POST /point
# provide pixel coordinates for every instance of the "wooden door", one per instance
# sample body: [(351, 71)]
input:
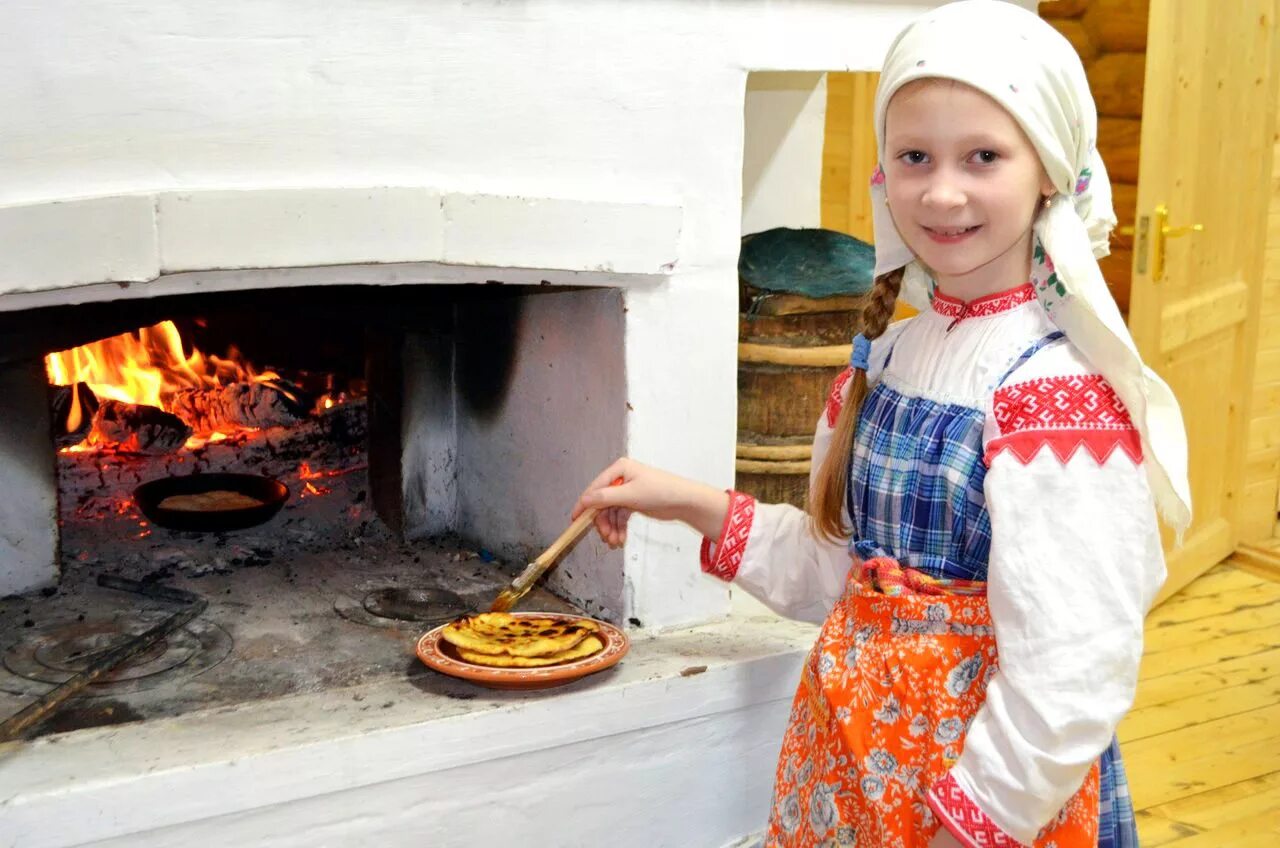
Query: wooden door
[(1206, 156)]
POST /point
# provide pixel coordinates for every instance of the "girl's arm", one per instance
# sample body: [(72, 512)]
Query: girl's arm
[(771, 552), (768, 550), (1076, 561)]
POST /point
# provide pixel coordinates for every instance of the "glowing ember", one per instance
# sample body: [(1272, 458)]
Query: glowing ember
[(147, 368), (305, 472), (216, 436), (307, 475), (312, 488)]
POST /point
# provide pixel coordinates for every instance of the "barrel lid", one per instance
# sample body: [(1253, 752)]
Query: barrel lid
[(811, 262)]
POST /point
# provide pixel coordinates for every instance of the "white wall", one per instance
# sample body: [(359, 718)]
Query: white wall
[(782, 151), (550, 97)]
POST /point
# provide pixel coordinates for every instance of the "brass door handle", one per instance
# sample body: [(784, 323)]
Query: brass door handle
[(1174, 232), (1152, 249), (1169, 232)]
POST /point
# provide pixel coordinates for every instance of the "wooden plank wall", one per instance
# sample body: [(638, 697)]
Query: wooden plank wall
[(1262, 470), (1111, 38), (849, 153)]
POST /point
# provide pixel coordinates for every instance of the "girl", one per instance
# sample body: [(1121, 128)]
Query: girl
[(990, 469)]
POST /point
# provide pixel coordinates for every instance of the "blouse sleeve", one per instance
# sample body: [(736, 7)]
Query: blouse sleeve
[(770, 550), (1075, 564)]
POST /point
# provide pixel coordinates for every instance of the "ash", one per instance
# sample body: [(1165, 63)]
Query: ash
[(288, 600)]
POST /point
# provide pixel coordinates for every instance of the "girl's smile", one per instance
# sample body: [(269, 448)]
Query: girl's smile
[(950, 235)]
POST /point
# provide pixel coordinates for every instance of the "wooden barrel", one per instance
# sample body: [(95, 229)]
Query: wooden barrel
[(790, 350)]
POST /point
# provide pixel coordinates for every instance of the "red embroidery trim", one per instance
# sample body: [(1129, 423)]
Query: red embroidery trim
[(835, 400), (981, 307), (1064, 414), (1076, 401), (733, 538), (1100, 444), (965, 819)]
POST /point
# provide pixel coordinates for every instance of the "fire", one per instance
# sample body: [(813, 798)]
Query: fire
[(146, 368)]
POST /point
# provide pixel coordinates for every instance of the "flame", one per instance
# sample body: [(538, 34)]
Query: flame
[(147, 367)]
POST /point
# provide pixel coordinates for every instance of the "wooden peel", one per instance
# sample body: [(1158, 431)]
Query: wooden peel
[(520, 587)]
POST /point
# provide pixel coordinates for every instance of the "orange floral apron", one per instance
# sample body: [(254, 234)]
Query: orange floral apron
[(885, 699)]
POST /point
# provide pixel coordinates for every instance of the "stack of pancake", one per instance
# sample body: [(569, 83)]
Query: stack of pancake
[(505, 641)]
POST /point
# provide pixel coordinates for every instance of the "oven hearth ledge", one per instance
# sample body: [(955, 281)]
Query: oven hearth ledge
[(393, 763), (139, 237)]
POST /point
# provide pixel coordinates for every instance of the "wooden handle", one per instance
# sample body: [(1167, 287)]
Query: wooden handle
[(572, 534), (569, 537), (533, 571)]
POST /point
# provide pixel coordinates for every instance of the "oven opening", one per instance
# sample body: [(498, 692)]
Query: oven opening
[(431, 440)]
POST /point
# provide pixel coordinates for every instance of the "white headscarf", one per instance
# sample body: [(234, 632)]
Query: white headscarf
[(1026, 66)]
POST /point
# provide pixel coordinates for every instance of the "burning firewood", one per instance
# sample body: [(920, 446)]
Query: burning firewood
[(135, 428), (237, 405), (73, 408)]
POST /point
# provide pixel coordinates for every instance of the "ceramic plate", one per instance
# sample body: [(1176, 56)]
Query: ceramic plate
[(441, 656)]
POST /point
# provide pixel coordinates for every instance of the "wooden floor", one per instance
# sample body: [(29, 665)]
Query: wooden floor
[(1202, 744)]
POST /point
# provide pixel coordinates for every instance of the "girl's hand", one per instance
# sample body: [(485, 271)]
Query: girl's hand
[(652, 492), (944, 839)]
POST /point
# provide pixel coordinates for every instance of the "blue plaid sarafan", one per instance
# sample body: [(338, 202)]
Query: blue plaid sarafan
[(915, 485), (915, 481)]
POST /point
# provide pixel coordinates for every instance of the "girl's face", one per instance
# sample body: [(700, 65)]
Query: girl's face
[(964, 185)]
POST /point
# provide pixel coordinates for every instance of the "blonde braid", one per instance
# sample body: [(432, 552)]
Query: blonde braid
[(826, 499)]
